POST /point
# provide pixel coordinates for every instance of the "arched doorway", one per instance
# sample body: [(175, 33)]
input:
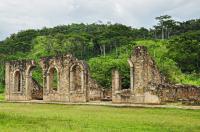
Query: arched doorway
[(126, 75), (76, 79), (34, 83), (52, 79), (17, 81)]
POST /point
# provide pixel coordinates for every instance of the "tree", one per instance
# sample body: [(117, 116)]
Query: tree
[(165, 25), (185, 50)]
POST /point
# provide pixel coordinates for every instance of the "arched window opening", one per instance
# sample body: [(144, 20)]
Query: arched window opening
[(76, 78), (36, 74), (126, 80), (125, 77), (17, 80), (53, 79), (35, 83)]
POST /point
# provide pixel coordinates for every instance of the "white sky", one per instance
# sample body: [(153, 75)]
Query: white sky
[(16, 15)]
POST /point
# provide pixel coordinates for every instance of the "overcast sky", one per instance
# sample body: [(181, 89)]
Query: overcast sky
[(16, 15)]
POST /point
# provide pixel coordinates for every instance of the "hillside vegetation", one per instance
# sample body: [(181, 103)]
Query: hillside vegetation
[(174, 45), (101, 67)]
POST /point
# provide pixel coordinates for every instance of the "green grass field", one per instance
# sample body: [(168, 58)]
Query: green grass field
[(22, 117)]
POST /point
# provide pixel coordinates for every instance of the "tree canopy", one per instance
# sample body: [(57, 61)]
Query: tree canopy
[(109, 45)]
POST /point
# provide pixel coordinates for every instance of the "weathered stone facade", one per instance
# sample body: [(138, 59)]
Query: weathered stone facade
[(18, 80), (74, 84), (72, 75), (173, 93), (147, 85)]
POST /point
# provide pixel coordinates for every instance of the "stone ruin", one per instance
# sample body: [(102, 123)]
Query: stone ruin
[(147, 85), (74, 83)]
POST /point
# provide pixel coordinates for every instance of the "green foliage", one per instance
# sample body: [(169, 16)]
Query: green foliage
[(1, 91), (165, 26), (2, 80), (107, 46), (185, 50), (101, 67), (55, 80), (2, 96), (37, 74), (168, 67)]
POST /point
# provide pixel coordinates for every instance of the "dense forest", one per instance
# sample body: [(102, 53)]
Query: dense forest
[(174, 45)]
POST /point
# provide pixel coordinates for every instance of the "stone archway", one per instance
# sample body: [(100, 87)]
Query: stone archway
[(53, 79), (34, 91), (78, 87), (131, 74), (76, 78), (17, 78)]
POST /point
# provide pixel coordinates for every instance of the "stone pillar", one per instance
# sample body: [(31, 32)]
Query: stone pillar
[(145, 73), (83, 82), (85, 89), (116, 86), (71, 82), (139, 58), (116, 81), (7, 81), (131, 78), (44, 85), (47, 82), (28, 88)]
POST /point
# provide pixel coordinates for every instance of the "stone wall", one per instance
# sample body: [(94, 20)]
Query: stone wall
[(65, 79), (143, 71), (17, 80), (147, 85), (178, 93), (66, 68), (95, 90)]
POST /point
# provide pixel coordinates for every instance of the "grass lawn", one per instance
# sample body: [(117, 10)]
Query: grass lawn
[(51, 117)]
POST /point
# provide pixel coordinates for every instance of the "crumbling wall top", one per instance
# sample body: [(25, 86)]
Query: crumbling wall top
[(140, 50)]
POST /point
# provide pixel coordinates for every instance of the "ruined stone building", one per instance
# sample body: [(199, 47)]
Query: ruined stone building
[(74, 83), (147, 85)]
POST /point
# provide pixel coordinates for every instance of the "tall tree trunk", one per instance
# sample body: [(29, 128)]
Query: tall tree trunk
[(104, 50), (168, 33), (116, 51), (101, 50), (162, 33)]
